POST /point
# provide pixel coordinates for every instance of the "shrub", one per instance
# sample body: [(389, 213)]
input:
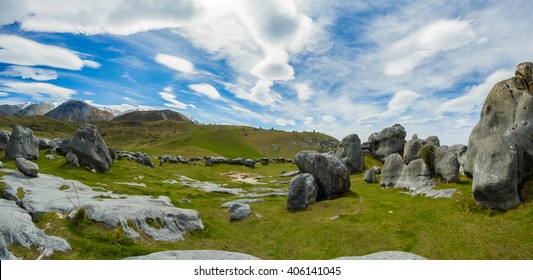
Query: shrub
[(79, 217), (427, 154)]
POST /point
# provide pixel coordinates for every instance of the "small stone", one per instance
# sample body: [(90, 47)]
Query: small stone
[(27, 167)]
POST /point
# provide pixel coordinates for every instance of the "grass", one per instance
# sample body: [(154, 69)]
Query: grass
[(365, 220)]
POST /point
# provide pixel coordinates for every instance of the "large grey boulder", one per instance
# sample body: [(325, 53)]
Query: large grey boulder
[(388, 141), (27, 167), (72, 159), (303, 190), (16, 226), (22, 144), (411, 150), (330, 172), (146, 161), (90, 148), (460, 152), (350, 151), (194, 255), (446, 165), (500, 149)]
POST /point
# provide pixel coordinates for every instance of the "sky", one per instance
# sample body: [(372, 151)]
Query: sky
[(337, 67)]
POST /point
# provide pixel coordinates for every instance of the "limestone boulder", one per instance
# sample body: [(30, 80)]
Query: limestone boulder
[(22, 144), (370, 176), (330, 172), (350, 151), (90, 148), (4, 138), (303, 190), (72, 159), (27, 167), (446, 165), (500, 149), (386, 142), (240, 211)]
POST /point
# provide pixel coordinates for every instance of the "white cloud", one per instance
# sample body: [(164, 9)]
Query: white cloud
[(22, 51), (30, 73), (396, 106), (120, 17), (328, 118), (175, 62), (92, 64), (284, 122), (3, 94), (38, 90), (304, 91), (174, 103), (207, 90), (473, 99), (309, 122), (440, 36)]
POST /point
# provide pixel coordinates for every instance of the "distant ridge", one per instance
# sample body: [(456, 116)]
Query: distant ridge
[(38, 109), (78, 112), (8, 110), (153, 115)]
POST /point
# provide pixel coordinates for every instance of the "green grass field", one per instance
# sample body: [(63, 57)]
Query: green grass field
[(365, 220)]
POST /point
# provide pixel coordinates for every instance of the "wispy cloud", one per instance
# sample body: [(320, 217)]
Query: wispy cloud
[(29, 73), (175, 62), (207, 90), (38, 91), (168, 96)]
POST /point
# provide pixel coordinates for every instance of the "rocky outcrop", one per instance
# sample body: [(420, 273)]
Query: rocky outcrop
[(72, 159), (79, 112), (90, 148), (446, 165), (459, 150), (22, 144), (386, 255), (414, 177), (388, 141), (27, 167), (146, 161), (413, 147), (16, 226), (36, 109), (500, 149), (330, 172), (350, 151), (303, 190), (4, 138)]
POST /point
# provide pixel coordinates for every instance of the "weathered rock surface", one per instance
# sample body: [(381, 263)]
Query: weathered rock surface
[(446, 165), (228, 204), (414, 146), (351, 153), (388, 141), (386, 255), (16, 226), (330, 172), (22, 144), (194, 255), (303, 190), (370, 176), (54, 194), (414, 177), (27, 167), (4, 138), (146, 161), (90, 148), (460, 152), (500, 150), (240, 211)]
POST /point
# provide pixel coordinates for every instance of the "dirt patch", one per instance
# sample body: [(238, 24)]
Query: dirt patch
[(244, 177)]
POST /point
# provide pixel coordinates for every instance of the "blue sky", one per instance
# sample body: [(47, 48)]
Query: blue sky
[(338, 67)]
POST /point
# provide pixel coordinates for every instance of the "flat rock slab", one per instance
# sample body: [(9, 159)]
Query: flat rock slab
[(386, 255), (54, 194), (195, 255), (208, 186), (228, 204), (16, 226)]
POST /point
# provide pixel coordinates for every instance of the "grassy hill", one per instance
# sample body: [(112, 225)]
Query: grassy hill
[(186, 139)]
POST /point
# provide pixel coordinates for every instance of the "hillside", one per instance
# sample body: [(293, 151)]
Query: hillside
[(153, 115), (182, 138)]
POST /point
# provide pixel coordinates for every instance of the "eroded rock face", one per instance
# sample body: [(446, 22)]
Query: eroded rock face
[(16, 226), (414, 177), (4, 138), (22, 144), (412, 148), (388, 141), (351, 153), (500, 149), (303, 190), (91, 149), (330, 172), (446, 165), (54, 194)]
